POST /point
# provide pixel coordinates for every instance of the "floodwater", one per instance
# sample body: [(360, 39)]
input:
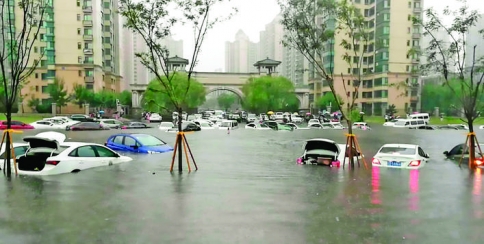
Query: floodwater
[(248, 189)]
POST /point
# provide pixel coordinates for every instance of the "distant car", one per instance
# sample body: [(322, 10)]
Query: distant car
[(256, 126), (447, 127), (45, 124), (315, 126), (313, 122), (204, 125), (16, 125), (137, 143), (135, 125), (425, 127), (166, 125), (111, 123), (457, 153), (154, 117), (251, 118), (82, 118), (391, 122), (86, 126), (297, 119), (404, 156), (186, 127)]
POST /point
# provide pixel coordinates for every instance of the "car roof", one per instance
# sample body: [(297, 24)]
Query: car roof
[(72, 144), (320, 140), (401, 145)]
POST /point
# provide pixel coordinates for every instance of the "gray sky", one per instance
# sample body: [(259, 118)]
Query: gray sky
[(252, 17)]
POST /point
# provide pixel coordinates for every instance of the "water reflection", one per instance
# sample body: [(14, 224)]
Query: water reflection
[(477, 195), (375, 186), (414, 188)]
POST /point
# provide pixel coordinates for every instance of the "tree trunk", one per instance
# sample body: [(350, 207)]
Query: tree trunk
[(350, 143), (472, 144), (180, 140), (8, 152)]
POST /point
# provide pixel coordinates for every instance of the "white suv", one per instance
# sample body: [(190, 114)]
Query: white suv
[(111, 123)]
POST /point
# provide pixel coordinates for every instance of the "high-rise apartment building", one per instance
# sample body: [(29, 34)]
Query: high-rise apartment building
[(241, 54), (175, 47), (79, 41), (295, 66), (474, 38), (387, 64), (271, 40)]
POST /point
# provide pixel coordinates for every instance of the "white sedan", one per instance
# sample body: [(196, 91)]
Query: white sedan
[(256, 126), (46, 124), (48, 154), (155, 118), (66, 121), (405, 156), (166, 125), (313, 122)]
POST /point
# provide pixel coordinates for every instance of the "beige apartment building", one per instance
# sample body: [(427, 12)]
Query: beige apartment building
[(79, 43), (388, 69)]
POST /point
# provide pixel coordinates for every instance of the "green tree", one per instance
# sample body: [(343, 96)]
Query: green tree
[(267, 93), (448, 57), (125, 98), (154, 20), (105, 99), (81, 95), (391, 110), (328, 99), (157, 99), (314, 40), (58, 93), (226, 100)]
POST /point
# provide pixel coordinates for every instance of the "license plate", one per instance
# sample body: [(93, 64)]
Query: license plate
[(394, 163)]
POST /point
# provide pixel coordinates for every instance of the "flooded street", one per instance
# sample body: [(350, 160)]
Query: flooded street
[(248, 189)]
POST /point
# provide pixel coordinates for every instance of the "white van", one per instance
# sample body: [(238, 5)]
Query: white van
[(225, 124), (409, 123), (423, 116)]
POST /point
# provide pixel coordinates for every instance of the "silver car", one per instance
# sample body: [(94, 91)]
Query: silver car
[(111, 123)]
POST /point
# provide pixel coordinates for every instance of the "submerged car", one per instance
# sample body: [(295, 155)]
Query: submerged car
[(46, 124), (135, 125), (137, 143), (457, 152), (187, 126), (48, 154), (404, 156), (166, 125), (257, 126), (325, 152), (154, 117), (87, 126)]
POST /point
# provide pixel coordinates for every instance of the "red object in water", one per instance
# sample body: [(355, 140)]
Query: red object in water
[(16, 125)]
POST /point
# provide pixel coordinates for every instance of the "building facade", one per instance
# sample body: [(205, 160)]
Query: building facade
[(389, 71), (241, 54), (79, 44), (474, 38)]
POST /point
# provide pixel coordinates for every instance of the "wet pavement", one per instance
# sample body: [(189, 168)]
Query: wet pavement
[(250, 190)]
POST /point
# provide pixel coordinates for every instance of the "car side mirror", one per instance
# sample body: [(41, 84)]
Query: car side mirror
[(446, 153), (427, 155)]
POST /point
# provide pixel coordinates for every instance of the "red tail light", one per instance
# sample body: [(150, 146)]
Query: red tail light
[(52, 162), (414, 163), (375, 161), (479, 162)]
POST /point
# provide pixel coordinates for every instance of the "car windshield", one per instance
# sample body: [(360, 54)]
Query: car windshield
[(398, 150), (147, 140)]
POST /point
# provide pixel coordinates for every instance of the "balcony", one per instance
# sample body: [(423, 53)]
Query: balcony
[(107, 22), (87, 37), (87, 61), (87, 9), (416, 35), (106, 11), (417, 9), (107, 45), (88, 51), (89, 79), (107, 69), (414, 99), (415, 61), (108, 57), (87, 23)]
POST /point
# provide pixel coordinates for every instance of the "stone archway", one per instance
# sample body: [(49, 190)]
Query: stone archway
[(230, 89)]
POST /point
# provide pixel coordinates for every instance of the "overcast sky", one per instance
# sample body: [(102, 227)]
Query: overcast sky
[(252, 17)]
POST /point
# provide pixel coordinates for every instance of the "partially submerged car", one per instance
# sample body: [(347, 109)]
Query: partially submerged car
[(457, 153), (257, 126), (325, 152), (86, 126), (402, 156), (135, 125), (49, 154), (138, 143)]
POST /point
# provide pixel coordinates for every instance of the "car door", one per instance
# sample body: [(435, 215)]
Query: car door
[(117, 143), (128, 144), (83, 157), (106, 156), (421, 154)]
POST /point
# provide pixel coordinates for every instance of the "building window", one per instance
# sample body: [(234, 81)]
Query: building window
[(78, 17), (36, 88), (87, 17), (36, 75), (45, 89), (384, 68), (386, 30), (79, 73), (79, 45), (386, 17), (79, 59), (35, 50), (78, 3), (408, 43), (78, 31)]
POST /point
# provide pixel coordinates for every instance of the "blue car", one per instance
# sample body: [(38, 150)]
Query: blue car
[(137, 143)]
